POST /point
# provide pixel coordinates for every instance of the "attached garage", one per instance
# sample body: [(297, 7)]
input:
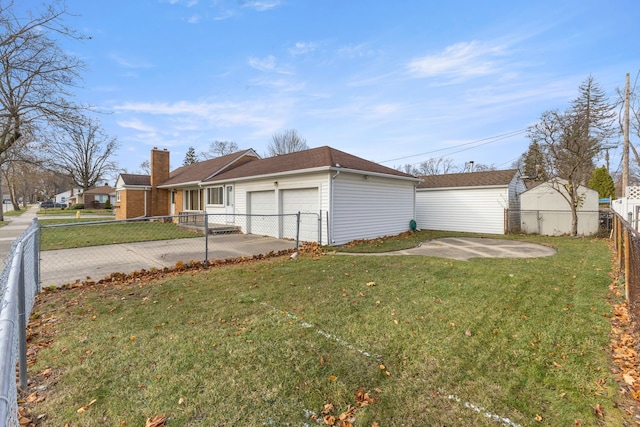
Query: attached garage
[(307, 202)]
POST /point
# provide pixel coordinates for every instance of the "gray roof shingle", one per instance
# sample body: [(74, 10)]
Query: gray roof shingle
[(468, 179)]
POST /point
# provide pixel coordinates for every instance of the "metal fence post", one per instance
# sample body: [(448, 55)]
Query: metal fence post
[(206, 238), (36, 257), (22, 327), (297, 230)]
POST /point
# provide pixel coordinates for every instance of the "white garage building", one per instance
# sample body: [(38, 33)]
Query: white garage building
[(341, 197), (476, 202)]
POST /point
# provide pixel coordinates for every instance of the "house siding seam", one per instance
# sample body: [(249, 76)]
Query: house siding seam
[(370, 208)]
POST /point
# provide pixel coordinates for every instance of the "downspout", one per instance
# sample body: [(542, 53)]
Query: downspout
[(145, 202), (330, 241)]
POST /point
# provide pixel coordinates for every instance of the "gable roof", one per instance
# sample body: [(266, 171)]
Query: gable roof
[(102, 189), (201, 171), (135, 179), (468, 179), (321, 157)]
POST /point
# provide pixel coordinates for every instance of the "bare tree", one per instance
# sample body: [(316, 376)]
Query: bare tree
[(145, 167), (84, 152), (37, 74), (219, 149), (437, 166), (571, 140), (286, 142)]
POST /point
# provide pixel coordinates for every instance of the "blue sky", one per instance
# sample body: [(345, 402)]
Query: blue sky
[(391, 81)]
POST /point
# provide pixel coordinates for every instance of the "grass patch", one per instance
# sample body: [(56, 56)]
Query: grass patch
[(407, 240), (13, 212), (272, 343), (72, 212), (97, 233)]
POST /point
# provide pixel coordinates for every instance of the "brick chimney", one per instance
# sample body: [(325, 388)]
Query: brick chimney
[(159, 174)]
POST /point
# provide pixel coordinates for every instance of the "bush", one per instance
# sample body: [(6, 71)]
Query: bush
[(107, 204), (78, 206)]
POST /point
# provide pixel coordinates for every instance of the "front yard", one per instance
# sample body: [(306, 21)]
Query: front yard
[(330, 339)]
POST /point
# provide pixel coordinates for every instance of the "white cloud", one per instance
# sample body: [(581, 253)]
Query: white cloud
[(301, 48), (129, 63), (136, 124), (262, 5), (268, 64), (263, 64), (459, 61)]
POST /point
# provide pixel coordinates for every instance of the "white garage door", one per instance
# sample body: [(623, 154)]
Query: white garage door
[(305, 201), (261, 205)]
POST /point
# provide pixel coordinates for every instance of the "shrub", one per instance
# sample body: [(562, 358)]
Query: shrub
[(107, 204), (78, 206)]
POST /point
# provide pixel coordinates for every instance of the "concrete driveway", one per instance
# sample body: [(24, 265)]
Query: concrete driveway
[(64, 266), (464, 248)]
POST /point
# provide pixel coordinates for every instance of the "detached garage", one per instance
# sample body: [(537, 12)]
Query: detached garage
[(476, 202)]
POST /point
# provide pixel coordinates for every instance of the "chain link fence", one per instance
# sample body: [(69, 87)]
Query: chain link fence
[(93, 250), (20, 284), (627, 244), (557, 222)]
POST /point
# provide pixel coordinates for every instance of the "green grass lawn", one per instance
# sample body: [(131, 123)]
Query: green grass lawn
[(72, 212), (281, 342), (99, 233)]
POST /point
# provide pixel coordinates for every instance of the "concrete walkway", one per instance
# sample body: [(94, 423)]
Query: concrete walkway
[(465, 248), (15, 227)]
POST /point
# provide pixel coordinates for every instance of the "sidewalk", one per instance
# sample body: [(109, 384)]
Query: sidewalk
[(15, 227)]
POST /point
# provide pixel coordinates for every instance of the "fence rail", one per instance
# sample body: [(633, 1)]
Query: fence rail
[(107, 247), (20, 284), (627, 244)]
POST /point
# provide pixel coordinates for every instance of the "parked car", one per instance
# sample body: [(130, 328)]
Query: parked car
[(52, 204)]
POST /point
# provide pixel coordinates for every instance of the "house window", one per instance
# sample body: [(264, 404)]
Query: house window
[(118, 196), (173, 197), (101, 198), (229, 195), (192, 200), (215, 196)]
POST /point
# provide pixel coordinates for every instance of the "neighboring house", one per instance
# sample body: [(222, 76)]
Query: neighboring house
[(342, 197), (544, 210), (96, 197), (470, 202), (133, 196), (67, 197)]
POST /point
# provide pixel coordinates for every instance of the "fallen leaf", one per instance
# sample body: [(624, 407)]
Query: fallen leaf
[(371, 283), (467, 333), (332, 378), (626, 377), (85, 407), (157, 421), (538, 418), (599, 410)]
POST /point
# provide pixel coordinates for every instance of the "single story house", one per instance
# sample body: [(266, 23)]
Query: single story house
[(476, 202), (341, 197), (97, 197), (67, 197), (545, 210)]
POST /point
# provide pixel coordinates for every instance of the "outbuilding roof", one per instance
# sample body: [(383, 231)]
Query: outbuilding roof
[(468, 179)]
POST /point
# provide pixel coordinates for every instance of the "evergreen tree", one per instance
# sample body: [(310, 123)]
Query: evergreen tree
[(191, 157), (533, 163), (602, 182)]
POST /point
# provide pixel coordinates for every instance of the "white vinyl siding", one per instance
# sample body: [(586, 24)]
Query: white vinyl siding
[(370, 208), (473, 209)]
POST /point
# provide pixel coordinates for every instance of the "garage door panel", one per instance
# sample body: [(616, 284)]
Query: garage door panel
[(306, 201), (262, 203)]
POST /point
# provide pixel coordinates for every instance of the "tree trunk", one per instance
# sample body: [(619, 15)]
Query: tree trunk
[(574, 220)]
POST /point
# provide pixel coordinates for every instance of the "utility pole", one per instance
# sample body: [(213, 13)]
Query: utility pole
[(625, 150)]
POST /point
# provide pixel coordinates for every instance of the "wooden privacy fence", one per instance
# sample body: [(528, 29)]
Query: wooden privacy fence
[(627, 244)]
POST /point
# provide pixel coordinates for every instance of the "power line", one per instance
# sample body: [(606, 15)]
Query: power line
[(489, 140)]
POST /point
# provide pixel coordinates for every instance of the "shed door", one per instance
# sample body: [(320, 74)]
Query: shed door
[(262, 210), (306, 201)]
